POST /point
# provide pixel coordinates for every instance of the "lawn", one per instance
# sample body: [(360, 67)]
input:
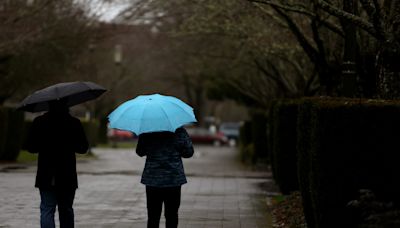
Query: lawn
[(121, 145), (25, 156)]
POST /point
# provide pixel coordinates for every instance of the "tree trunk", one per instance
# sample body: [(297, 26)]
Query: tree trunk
[(389, 71), (387, 59), (4, 80), (199, 101), (349, 80)]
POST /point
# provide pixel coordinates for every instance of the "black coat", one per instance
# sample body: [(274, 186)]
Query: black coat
[(57, 137)]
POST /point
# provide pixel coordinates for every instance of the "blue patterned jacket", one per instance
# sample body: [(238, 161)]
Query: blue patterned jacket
[(164, 151)]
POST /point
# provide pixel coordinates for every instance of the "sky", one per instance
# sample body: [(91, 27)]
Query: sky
[(106, 10)]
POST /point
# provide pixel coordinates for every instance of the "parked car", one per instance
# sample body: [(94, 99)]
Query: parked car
[(231, 131), (119, 135), (205, 136)]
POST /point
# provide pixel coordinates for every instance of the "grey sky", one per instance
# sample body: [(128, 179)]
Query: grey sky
[(105, 10)]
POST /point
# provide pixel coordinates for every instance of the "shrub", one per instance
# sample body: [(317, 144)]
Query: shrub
[(284, 148), (15, 132), (11, 133), (91, 128), (245, 138), (305, 137), (272, 115), (259, 136), (102, 133), (3, 130), (349, 145)]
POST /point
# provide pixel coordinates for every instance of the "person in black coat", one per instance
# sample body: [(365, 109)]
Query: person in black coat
[(163, 174), (56, 136)]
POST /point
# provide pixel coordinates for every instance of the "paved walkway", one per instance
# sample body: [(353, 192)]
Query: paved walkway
[(220, 192)]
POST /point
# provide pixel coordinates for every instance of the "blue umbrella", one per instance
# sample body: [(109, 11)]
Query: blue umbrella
[(151, 113)]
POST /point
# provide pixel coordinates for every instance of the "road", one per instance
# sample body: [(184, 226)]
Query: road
[(220, 192)]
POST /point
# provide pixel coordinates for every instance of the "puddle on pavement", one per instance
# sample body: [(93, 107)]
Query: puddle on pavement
[(9, 169), (101, 173), (270, 188)]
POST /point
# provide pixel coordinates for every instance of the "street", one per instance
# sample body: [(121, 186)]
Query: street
[(220, 192)]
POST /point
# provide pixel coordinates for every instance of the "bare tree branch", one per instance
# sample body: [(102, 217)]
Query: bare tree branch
[(311, 51), (377, 20), (278, 20), (276, 76), (358, 21), (368, 7), (334, 28), (287, 7), (26, 13), (317, 37)]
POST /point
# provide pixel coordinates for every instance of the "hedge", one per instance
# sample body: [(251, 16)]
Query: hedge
[(259, 136), (270, 135), (11, 133), (344, 146), (3, 129), (102, 132), (284, 152), (91, 128), (245, 141), (305, 137), (253, 139), (15, 133)]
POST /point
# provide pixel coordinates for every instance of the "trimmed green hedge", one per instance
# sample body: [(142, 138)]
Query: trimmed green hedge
[(245, 141), (3, 130), (11, 133), (305, 137), (102, 133), (270, 135), (259, 136), (345, 145), (284, 152), (253, 139), (91, 128), (27, 127), (15, 133)]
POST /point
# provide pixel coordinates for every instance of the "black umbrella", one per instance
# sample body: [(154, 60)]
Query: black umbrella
[(72, 92)]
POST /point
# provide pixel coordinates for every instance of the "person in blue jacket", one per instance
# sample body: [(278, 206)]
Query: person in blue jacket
[(163, 173)]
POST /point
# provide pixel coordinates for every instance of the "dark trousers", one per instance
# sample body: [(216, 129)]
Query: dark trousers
[(171, 197), (50, 198)]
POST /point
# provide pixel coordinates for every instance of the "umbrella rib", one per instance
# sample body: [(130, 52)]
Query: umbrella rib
[(175, 114), (166, 114), (184, 110), (57, 90), (140, 123), (38, 101)]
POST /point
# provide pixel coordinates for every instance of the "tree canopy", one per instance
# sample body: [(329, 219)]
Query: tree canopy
[(39, 40), (286, 48)]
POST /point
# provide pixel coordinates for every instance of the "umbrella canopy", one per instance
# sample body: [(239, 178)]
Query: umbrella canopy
[(151, 113), (72, 93)]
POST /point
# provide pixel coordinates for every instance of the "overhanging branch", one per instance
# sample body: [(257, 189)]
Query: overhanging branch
[(358, 21), (297, 9), (287, 7)]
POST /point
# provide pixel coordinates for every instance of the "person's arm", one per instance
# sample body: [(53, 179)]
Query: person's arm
[(185, 143), (140, 147)]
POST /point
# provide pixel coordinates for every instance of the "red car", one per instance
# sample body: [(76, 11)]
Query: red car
[(205, 136), (119, 135)]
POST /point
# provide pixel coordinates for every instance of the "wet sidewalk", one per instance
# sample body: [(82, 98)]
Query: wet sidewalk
[(220, 192)]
